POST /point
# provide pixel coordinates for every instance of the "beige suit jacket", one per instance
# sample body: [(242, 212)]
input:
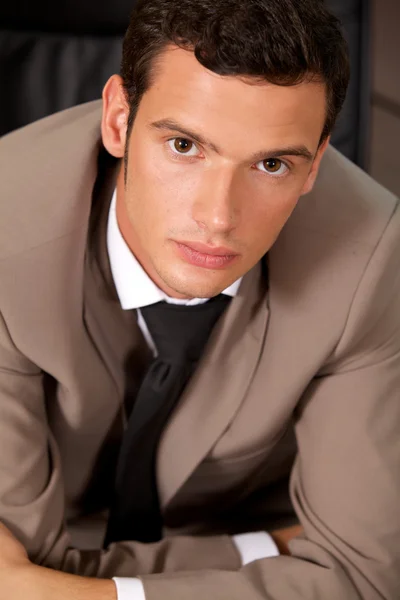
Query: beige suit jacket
[(301, 377)]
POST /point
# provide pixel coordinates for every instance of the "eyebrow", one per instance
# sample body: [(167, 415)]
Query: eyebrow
[(172, 125)]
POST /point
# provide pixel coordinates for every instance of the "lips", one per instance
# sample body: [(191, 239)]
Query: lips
[(210, 250), (207, 257)]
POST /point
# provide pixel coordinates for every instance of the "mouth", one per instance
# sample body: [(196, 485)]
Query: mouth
[(208, 257)]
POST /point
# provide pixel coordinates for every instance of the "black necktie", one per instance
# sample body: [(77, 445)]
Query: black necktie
[(180, 334)]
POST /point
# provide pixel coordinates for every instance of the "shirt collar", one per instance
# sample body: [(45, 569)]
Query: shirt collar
[(134, 287)]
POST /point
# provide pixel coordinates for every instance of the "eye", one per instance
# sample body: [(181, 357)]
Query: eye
[(183, 146), (273, 166)]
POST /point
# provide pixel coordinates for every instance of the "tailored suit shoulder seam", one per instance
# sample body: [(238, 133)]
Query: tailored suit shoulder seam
[(361, 277)]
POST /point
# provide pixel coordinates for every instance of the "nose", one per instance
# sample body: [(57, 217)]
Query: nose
[(215, 208)]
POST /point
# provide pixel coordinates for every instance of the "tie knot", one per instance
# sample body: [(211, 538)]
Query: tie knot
[(181, 332)]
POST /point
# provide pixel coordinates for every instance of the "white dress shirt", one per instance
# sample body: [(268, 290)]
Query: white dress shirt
[(135, 289)]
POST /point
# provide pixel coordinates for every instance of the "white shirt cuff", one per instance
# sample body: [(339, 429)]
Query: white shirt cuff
[(129, 588), (251, 546), (254, 546)]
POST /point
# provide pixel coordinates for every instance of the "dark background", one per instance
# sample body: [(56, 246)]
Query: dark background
[(384, 153)]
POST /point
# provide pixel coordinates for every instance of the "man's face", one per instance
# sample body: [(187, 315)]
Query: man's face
[(215, 167)]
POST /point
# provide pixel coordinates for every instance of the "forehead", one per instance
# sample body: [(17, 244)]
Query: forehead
[(234, 109)]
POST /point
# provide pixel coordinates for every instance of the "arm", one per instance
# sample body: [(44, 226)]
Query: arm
[(19, 577), (32, 494), (32, 505)]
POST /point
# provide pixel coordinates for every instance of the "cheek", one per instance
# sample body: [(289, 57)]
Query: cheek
[(267, 215), (159, 194), (284, 207), (173, 187)]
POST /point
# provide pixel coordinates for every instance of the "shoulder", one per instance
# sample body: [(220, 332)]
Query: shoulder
[(337, 254), (47, 170), (346, 203)]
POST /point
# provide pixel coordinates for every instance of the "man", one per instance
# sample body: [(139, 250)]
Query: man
[(199, 190)]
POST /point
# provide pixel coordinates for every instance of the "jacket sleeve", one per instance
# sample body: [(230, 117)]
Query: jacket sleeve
[(345, 484), (32, 495)]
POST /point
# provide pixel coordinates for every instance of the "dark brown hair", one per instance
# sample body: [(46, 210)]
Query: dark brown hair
[(284, 42)]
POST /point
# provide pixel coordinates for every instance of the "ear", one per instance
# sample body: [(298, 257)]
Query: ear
[(309, 184), (115, 117)]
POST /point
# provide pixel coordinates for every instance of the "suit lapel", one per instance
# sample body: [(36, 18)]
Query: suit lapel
[(114, 331), (218, 387)]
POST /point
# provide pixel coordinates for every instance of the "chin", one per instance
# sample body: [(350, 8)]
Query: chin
[(195, 289), (206, 291), (189, 281)]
